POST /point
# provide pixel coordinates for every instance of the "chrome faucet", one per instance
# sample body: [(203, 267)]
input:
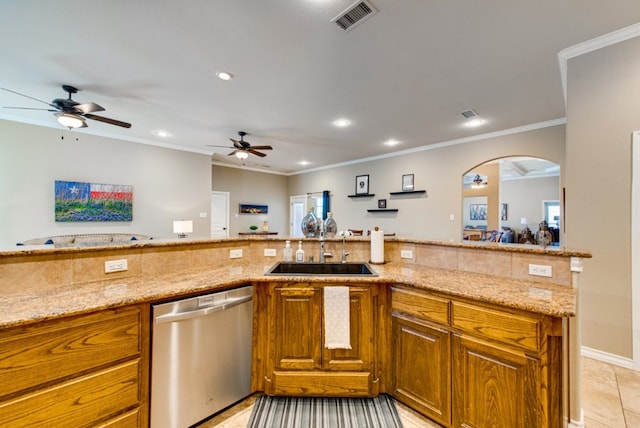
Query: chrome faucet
[(323, 254), (344, 252)]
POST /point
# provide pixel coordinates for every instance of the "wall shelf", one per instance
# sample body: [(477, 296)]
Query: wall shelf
[(408, 192), (361, 195), (385, 210)]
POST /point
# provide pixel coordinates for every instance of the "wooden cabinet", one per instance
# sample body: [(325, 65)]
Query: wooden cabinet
[(470, 364), (297, 362), (494, 386), (422, 374), (81, 371)]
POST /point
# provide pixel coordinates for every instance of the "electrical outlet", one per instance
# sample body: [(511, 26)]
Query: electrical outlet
[(540, 270), (269, 252), (235, 254), (115, 266), (406, 254)]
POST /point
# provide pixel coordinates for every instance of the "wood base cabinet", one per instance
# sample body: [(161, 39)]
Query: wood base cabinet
[(88, 370), (422, 372), (494, 386), (469, 364), (297, 362)]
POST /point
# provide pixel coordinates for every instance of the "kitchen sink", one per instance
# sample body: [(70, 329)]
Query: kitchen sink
[(324, 269)]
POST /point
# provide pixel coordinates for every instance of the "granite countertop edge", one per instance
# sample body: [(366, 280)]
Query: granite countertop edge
[(24, 307)]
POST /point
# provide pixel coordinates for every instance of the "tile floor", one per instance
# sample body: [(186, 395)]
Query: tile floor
[(610, 399)]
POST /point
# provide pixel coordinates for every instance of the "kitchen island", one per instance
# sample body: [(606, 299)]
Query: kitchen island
[(58, 288)]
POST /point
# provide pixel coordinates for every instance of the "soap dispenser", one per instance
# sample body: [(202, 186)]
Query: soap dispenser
[(288, 252), (299, 253)]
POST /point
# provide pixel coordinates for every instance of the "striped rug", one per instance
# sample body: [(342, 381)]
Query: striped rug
[(311, 412)]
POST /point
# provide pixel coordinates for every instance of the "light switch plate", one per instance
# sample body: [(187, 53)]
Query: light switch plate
[(115, 266), (235, 254), (540, 270)]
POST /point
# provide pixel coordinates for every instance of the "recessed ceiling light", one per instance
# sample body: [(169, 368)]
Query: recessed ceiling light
[(162, 133), (304, 163), (472, 123), (342, 123), (223, 75), (391, 142)]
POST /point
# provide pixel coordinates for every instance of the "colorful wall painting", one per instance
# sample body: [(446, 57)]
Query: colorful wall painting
[(78, 202)]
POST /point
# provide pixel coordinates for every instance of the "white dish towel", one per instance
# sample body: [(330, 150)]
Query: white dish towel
[(337, 318)]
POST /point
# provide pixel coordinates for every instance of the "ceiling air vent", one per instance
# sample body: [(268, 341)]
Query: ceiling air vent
[(354, 15), (468, 114)]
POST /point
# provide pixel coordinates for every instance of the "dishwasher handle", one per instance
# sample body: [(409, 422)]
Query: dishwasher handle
[(227, 304)]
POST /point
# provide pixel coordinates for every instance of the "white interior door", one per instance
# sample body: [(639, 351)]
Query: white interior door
[(219, 214), (298, 210)]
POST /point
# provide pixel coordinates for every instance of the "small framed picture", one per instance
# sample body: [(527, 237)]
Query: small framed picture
[(362, 184), (382, 203), (407, 183), (503, 212)]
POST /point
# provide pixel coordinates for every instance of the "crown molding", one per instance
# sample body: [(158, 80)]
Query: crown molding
[(594, 44)]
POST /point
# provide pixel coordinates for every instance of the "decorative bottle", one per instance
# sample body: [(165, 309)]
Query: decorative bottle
[(330, 226), (310, 225), (288, 252), (299, 253)]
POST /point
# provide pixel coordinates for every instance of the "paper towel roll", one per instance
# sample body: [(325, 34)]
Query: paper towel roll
[(377, 246)]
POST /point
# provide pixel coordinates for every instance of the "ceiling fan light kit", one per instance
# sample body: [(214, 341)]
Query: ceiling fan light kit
[(242, 149), (70, 120), (71, 113)]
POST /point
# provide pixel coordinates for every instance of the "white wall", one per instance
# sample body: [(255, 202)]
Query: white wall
[(524, 198), (603, 111), (250, 187), (438, 171), (167, 184)]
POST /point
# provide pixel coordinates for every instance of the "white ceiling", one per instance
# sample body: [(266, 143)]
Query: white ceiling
[(405, 74)]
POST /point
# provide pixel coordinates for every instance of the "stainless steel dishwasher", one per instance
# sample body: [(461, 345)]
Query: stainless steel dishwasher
[(201, 356)]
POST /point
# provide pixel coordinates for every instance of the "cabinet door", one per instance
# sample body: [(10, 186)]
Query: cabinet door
[(360, 356), (422, 373), (296, 314), (494, 386)]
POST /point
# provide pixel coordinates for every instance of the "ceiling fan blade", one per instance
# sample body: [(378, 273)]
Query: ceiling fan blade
[(27, 96), (237, 144), (222, 147), (253, 152), (233, 153), (107, 120), (262, 147), (31, 108), (88, 107)]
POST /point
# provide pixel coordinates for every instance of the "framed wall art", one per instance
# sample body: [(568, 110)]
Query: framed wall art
[(77, 201), (254, 209), (407, 182), (478, 211), (362, 184)]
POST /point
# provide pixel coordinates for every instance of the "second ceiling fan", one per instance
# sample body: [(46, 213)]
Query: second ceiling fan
[(243, 148)]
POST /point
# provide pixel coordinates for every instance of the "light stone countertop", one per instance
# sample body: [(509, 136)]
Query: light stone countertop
[(21, 307)]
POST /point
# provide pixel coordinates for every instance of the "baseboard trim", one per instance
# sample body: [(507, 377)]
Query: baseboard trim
[(606, 357)]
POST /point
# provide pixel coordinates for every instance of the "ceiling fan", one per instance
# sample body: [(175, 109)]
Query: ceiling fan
[(243, 148), (71, 113)]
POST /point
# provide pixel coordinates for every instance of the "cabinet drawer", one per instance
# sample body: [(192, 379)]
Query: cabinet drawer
[(79, 402), (420, 305), (56, 350), (505, 327)]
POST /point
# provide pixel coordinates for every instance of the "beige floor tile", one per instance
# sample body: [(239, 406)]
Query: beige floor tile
[(590, 423), (633, 419), (629, 384), (600, 395)]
